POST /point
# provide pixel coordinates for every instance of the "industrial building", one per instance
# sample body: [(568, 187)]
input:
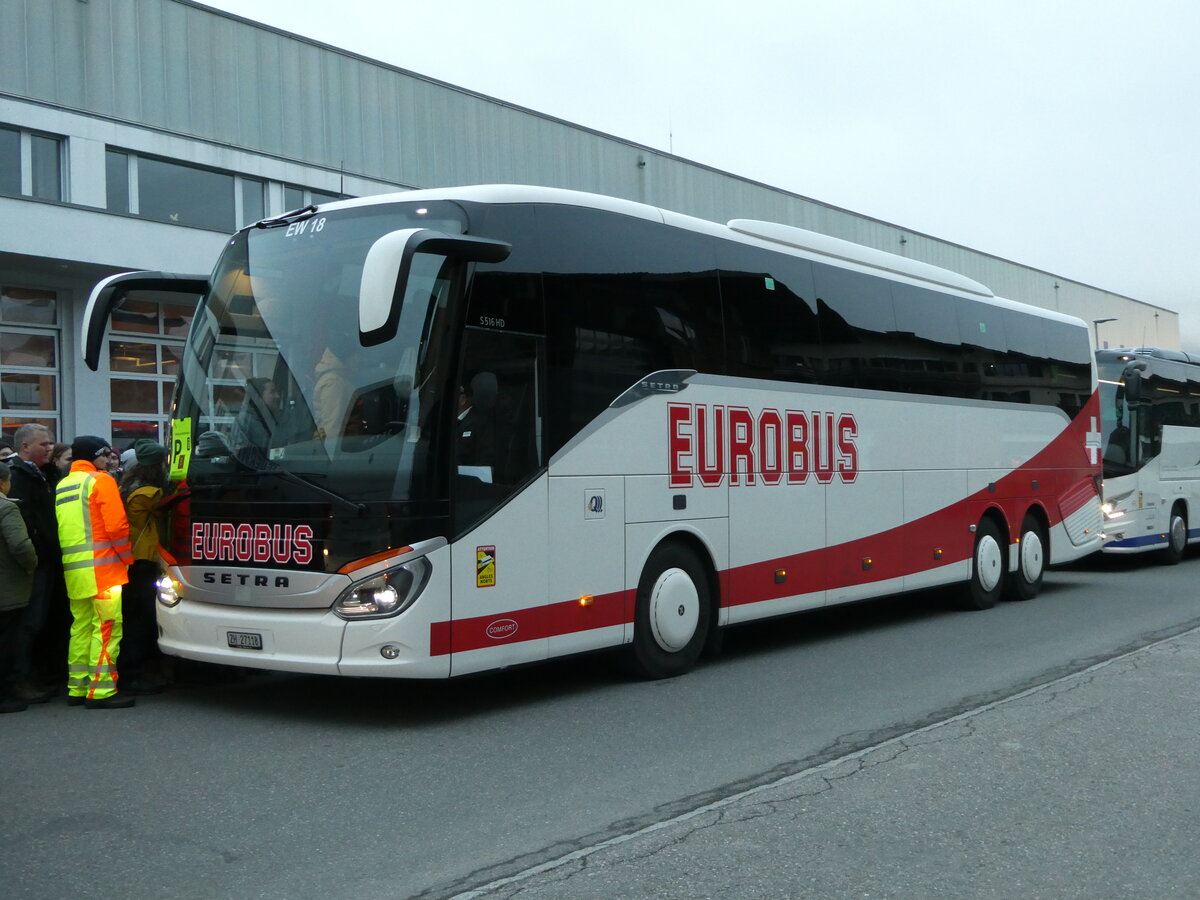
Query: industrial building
[(137, 134)]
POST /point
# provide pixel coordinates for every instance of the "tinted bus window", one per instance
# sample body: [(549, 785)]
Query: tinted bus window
[(507, 296), (624, 297), (928, 352), (858, 325), (981, 325), (772, 320)]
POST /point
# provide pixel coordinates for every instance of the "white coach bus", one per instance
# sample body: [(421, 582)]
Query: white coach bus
[(446, 431), (1150, 415)]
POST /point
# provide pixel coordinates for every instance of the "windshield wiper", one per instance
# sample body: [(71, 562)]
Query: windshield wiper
[(288, 218), (293, 478), (213, 445)]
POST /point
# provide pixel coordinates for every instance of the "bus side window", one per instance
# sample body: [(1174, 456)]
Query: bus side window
[(498, 422)]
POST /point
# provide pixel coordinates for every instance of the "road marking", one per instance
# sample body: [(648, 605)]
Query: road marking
[(583, 852)]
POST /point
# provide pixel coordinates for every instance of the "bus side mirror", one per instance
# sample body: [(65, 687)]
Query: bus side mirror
[(111, 291), (386, 270), (1133, 386)]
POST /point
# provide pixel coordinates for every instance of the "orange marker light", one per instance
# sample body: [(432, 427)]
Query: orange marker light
[(587, 600)]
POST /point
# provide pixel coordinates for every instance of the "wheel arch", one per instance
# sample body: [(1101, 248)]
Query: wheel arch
[(997, 515)]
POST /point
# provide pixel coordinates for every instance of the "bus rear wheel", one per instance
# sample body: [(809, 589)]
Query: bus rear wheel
[(988, 564), (672, 616), (1177, 536), (1026, 582)]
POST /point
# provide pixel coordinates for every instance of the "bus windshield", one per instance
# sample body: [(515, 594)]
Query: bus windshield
[(1117, 424), (276, 381)]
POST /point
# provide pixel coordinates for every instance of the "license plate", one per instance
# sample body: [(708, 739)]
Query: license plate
[(244, 640)]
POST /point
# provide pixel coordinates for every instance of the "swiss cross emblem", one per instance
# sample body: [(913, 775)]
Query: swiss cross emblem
[(1091, 442)]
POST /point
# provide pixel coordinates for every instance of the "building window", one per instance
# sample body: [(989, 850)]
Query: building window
[(10, 161), (254, 201), (181, 194), (31, 164), (116, 180), (29, 355), (184, 195), (144, 355), (296, 197)]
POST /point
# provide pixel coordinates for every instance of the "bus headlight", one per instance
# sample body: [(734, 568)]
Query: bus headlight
[(386, 594), (1110, 511), (168, 591)]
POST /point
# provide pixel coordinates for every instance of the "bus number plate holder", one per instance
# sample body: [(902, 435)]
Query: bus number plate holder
[(244, 640)]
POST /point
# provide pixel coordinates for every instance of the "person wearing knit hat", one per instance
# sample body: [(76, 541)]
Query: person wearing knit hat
[(149, 453), (142, 490), (94, 535), (88, 447)]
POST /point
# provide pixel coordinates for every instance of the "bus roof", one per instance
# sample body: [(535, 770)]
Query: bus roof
[(797, 241)]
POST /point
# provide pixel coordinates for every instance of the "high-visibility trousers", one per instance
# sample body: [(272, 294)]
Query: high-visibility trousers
[(95, 640)]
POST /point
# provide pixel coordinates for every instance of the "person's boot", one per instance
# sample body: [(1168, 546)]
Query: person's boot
[(28, 692), (113, 701), (9, 706)]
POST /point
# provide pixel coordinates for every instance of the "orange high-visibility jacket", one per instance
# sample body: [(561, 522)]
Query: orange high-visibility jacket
[(92, 530)]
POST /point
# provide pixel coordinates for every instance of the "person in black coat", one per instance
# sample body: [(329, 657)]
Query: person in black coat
[(36, 657), (475, 447), (18, 560)]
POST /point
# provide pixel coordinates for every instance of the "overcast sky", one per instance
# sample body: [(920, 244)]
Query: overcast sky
[(1062, 134)]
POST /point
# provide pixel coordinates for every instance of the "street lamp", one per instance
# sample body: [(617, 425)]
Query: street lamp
[(1096, 323)]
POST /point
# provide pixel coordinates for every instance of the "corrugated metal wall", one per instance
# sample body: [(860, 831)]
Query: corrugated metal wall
[(170, 65)]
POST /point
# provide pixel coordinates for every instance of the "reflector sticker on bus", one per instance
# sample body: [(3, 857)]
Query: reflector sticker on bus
[(485, 566)]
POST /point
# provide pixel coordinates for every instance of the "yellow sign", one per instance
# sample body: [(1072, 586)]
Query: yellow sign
[(181, 448), (485, 567)]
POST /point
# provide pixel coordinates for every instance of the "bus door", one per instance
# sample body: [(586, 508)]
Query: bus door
[(499, 503)]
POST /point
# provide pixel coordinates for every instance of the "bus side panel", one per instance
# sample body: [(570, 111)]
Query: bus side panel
[(587, 563), (865, 565), (499, 587), (1179, 463), (938, 544), (776, 527)]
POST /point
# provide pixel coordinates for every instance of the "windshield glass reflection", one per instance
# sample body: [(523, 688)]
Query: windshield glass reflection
[(275, 379)]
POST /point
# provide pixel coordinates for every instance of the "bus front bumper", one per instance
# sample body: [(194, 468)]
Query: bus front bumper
[(312, 641)]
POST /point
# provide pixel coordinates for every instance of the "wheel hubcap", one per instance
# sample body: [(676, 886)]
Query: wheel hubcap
[(674, 610), (1178, 533), (1031, 556), (988, 562)]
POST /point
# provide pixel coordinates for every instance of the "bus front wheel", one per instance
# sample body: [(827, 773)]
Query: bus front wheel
[(673, 611), (1026, 582), (988, 564)]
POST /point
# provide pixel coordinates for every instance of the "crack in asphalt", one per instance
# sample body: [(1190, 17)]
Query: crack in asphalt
[(848, 756)]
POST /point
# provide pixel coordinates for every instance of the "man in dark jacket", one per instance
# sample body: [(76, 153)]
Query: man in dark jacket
[(17, 563), (33, 444)]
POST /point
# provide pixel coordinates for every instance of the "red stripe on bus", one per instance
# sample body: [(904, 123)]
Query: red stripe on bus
[(530, 624)]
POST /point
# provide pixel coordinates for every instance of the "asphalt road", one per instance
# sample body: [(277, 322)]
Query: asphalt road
[(298, 787)]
